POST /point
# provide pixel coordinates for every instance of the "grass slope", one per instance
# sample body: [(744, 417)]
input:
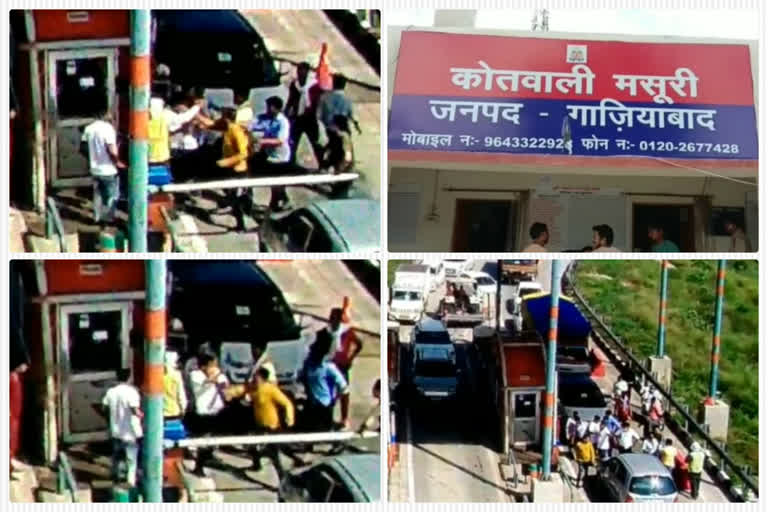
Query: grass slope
[(627, 293)]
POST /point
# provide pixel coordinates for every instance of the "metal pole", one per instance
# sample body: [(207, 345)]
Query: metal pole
[(549, 400), (154, 355), (139, 124), (499, 268), (662, 309), (715, 368)]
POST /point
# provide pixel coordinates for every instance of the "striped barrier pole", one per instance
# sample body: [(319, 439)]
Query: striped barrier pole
[(154, 356), (549, 400), (714, 373), (662, 337), (138, 151)]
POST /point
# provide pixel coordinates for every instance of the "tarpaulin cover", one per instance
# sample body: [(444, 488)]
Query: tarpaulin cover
[(571, 323)]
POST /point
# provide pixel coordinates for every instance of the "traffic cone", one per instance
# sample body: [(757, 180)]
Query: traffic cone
[(345, 304), (323, 70)]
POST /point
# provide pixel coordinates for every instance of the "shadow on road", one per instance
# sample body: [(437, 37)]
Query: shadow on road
[(460, 468)]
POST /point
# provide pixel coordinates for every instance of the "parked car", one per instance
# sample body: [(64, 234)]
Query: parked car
[(244, 306), (343, 479), (579, 393), (212, 49), (574, 359), (484, 283), (635, 477), (340, 225)]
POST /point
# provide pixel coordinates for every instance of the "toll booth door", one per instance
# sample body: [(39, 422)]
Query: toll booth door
[(80, 84), (524, 417), (94, 345)]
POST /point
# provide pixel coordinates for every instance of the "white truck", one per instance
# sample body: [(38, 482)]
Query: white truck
[(410, 290), (454, 267)]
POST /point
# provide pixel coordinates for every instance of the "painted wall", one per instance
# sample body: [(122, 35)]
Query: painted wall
[(437, 235)]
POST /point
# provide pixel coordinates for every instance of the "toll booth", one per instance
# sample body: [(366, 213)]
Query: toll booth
[(84, 321), (69, 65), (523, 388)]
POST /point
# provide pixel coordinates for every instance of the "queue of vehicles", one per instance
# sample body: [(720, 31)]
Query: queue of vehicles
[(435, 376)]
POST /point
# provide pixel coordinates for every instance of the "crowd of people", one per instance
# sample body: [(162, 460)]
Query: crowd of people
[(191, 138), (201, 400), (602, 238), (595, 441)]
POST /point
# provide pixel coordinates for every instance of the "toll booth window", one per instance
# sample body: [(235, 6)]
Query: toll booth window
[(81, 87), (94, 342)]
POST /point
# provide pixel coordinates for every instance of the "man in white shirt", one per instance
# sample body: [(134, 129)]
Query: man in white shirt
[(208, 383), (602, 239), (539, 238), (121, 405), (627, 438), (103, 161), (604, 441)]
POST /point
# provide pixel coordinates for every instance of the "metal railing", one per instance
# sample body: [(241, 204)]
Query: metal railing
[(637, 367), (53, 225), (65, 480)]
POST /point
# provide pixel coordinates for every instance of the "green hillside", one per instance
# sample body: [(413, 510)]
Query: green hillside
[(627, 294)]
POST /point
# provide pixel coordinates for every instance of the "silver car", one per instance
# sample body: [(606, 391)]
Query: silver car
[(635, 477)]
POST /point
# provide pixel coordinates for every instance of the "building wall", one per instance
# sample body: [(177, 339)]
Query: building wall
[(437, 235)]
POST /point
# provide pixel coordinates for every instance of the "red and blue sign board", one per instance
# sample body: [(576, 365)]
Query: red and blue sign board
[(524, 95)]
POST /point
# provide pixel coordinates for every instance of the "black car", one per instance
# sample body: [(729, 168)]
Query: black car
[(212, 49)]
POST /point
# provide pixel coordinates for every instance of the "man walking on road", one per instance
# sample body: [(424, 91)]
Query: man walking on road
[(668, 454), (695, 468), (336, 103), (101, 140), (273, 153), (301, 109), (604, 441), (627, 438), (208, 389), (584, 455), (121, 405)]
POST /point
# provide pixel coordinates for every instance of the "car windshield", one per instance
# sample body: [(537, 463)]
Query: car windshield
[(580, 393), (483, 281), (435, 368), (433, 337), (573, 354), (403, 295), (652, 484)]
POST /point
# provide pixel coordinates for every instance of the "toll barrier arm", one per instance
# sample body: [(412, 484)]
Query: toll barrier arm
[(275, 181), (308, 437)]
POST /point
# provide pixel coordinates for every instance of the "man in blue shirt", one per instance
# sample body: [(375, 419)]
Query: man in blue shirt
[(273, 151), (658, 242), (611, 422), (324, 383)]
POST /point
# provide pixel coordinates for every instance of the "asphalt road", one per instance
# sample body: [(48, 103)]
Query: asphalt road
[(446, 448)]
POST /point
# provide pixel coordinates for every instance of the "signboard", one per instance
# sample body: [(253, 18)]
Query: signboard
[(518, 95)]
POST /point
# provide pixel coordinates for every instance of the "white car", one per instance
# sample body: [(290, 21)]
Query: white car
[(484, 283)]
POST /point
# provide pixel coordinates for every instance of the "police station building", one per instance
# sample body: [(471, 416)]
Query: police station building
[(492, 131)]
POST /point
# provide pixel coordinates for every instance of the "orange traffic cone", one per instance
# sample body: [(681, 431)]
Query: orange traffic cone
[(345, 317), (323, 70)]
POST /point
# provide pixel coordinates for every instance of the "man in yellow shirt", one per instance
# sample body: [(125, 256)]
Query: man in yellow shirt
[(668, 454), (695, 462), (584, 455), (234, 156), (268, 402)]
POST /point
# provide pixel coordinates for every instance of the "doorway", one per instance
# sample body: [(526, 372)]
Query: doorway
[(80, 85), (524, 417), (677, 221), (484, 226), (94, 345)]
